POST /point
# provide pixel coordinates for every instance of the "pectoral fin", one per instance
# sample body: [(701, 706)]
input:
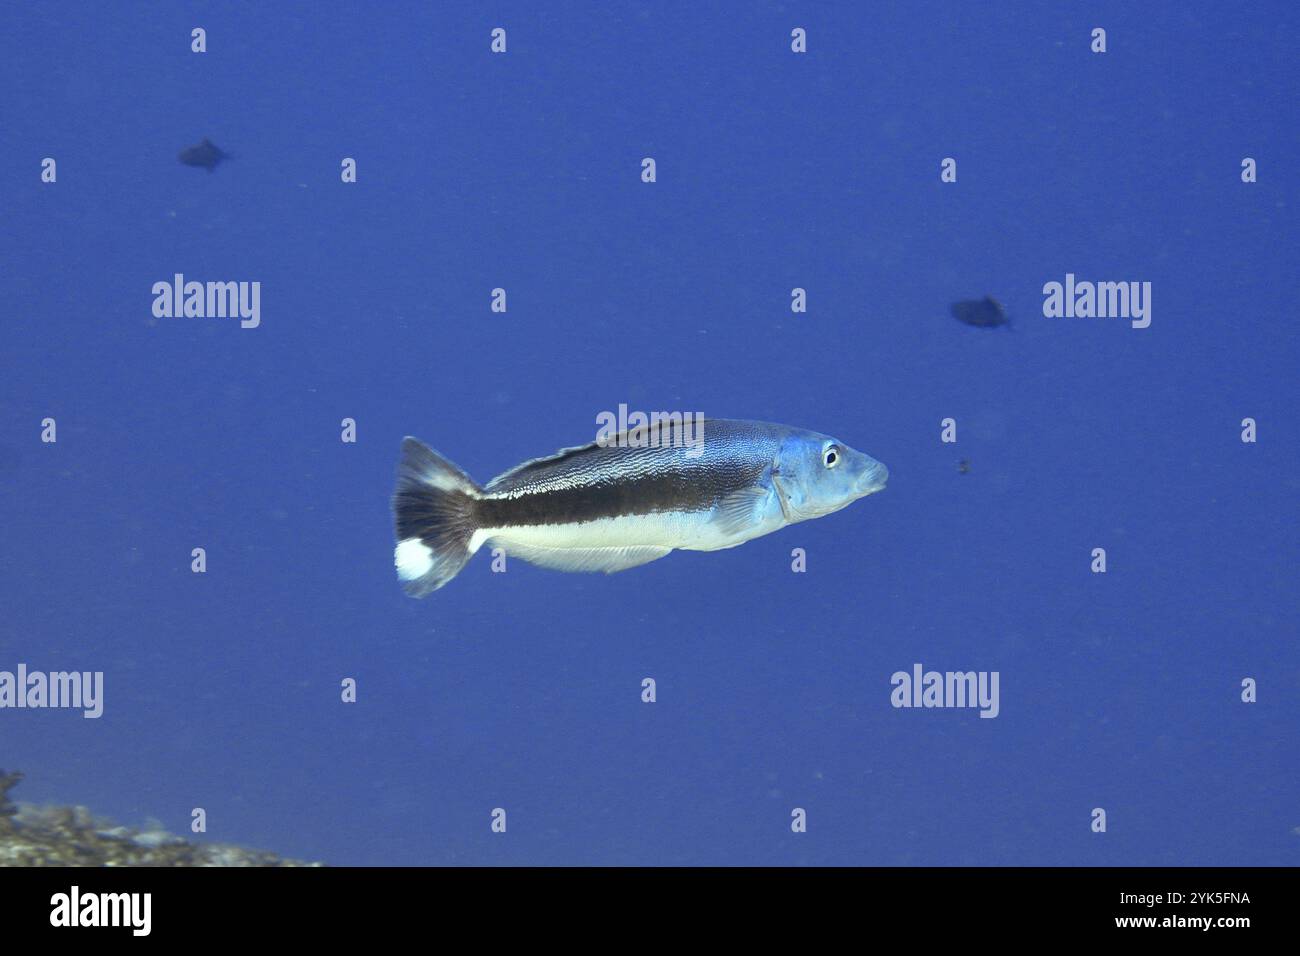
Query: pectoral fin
[(741, 512)]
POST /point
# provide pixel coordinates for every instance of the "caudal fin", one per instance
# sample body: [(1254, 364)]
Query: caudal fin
[(434, 514)]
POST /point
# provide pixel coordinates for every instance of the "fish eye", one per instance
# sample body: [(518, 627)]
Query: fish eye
[(831, 455)]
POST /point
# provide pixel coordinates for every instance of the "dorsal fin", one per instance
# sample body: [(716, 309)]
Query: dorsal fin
[(534, 462)]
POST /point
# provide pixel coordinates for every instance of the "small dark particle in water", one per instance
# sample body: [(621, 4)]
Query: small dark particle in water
[(987, 313), (206, 154), (963, 466)]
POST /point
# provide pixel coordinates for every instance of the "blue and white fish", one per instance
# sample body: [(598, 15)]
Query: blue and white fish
[(628, 500)]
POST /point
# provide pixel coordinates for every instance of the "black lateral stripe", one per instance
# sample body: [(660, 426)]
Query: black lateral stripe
[(592, 482), (653, 493)]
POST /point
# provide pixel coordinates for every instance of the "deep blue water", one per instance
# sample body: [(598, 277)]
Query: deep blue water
[(774, 171)]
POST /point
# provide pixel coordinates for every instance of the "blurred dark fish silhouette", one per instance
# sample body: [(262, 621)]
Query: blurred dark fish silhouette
[(986, 313), (206, 154)]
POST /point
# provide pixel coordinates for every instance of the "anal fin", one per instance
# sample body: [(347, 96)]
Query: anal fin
[(607, 560)]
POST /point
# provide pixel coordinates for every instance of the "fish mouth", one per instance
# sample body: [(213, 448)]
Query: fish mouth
[(873, 479)]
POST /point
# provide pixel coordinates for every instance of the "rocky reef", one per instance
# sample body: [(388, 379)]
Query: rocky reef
[(72, 836)]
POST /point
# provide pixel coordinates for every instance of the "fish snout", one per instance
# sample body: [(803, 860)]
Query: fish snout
[(873, 478)]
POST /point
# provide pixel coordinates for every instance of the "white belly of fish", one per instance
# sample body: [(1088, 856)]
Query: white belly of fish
[(613, 544)]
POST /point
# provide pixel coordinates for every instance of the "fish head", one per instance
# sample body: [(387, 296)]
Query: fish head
[(816, 474)]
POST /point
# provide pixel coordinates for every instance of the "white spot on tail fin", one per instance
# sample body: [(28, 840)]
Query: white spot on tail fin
[(448, 481), (413, 558)]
